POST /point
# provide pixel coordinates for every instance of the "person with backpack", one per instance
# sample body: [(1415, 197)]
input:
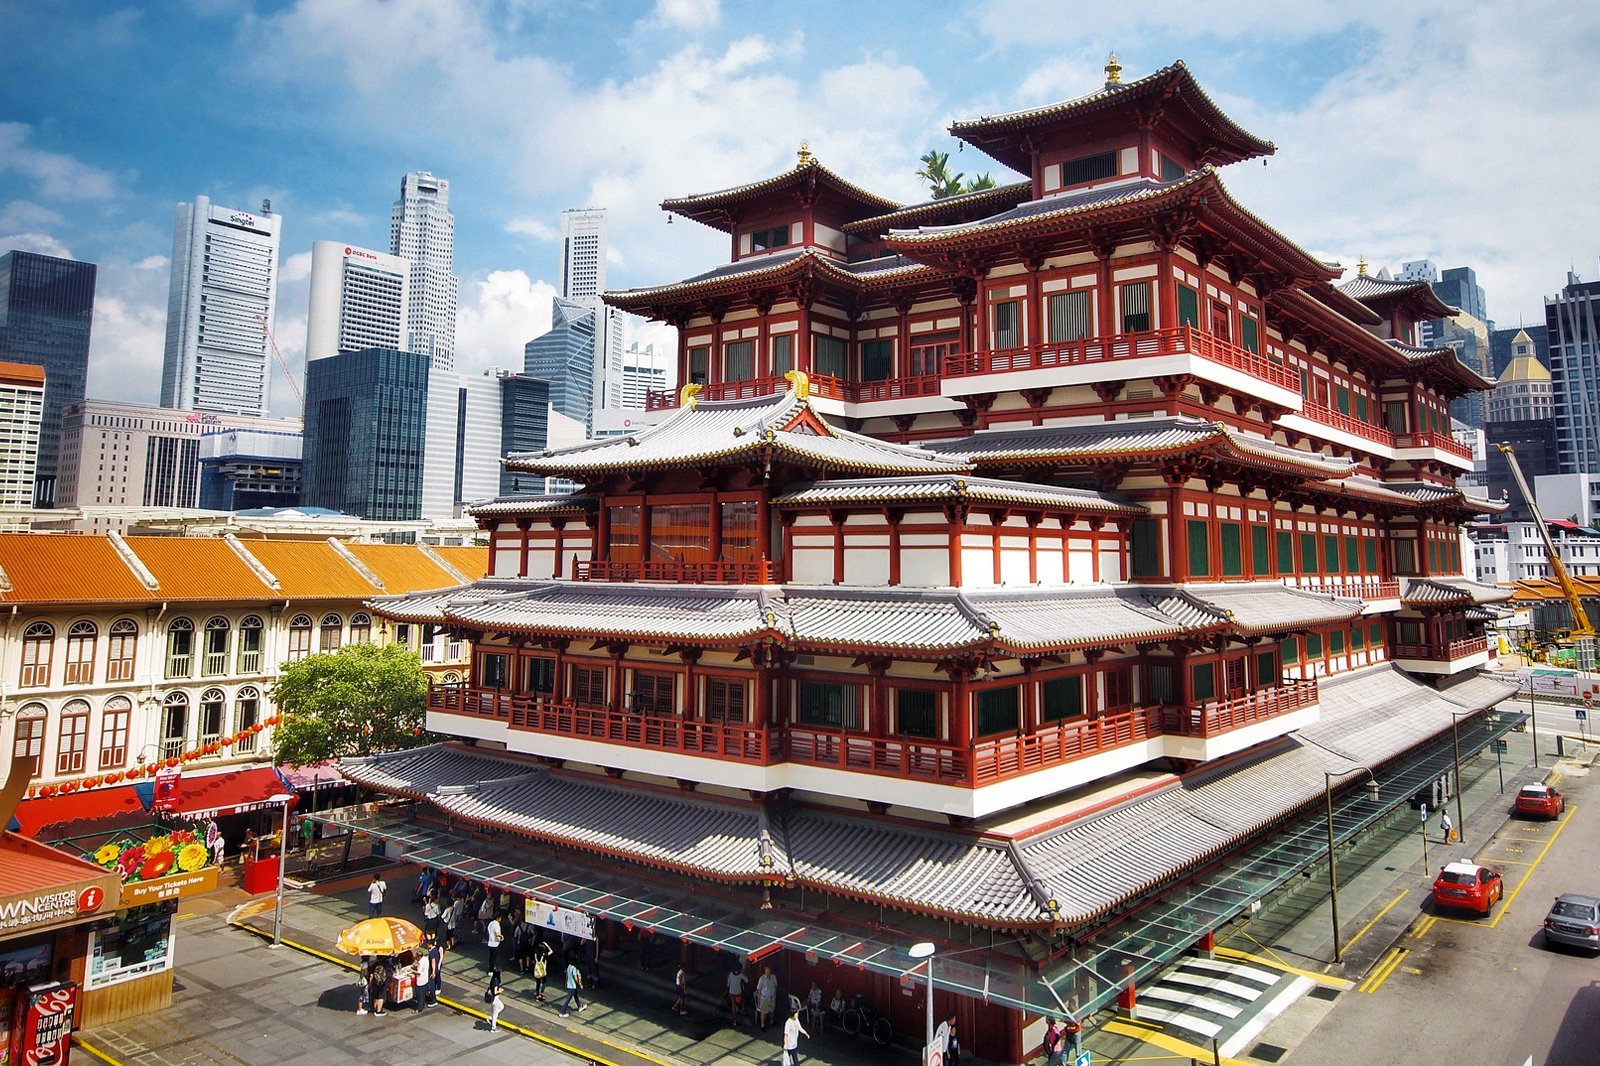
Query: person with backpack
[(496, 1001), (541, 967), (574, 985)]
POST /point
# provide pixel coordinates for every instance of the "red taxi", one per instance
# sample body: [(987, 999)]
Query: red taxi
[(1540, 801), (1468, 886)]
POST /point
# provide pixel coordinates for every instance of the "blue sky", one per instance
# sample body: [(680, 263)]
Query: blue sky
[(1460, 132)]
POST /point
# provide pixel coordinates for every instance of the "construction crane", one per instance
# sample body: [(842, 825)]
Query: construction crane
[(1582, 632), (284, 364)]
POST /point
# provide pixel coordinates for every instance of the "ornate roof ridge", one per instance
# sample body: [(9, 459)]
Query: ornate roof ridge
[(708, 202)]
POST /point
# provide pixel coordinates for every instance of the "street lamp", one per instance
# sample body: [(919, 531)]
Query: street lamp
[(1333, 879), (925, 950), (287, 799), (1455, 742)]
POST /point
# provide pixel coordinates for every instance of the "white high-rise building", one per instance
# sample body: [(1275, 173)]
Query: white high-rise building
[(21, 414), (224, 292), (359, 299), (583, 252), (422, 229)]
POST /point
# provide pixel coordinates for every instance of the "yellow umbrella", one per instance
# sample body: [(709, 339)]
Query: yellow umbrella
[(380, 936)]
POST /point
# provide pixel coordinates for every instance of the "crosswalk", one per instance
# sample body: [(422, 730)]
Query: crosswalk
[(1231, 1002)]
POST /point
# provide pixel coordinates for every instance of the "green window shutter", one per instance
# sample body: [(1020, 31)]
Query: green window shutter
[(1061, 698), (1199, 548), (1352, 555), (998, 711), (1146, 547), (1188, 306), (1285, 552), (1266, 669), (1342, 400), (1290, 649), (1160, 690), (1361, 408), (1330, 554), (1358, 638), (1260, 562), (1202, 682), (1313, 645), (1308, 553), (1232, 553), (1336, 642), (1249, 334), (1372, 555)]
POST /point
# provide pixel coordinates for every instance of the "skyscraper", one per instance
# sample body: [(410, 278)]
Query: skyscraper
[(583, 253), (46, 310), (359, 299), (366, 418), (1570, 318), (224, 290), (565, 358), (21, 411), (422, 229), (1521, 412)]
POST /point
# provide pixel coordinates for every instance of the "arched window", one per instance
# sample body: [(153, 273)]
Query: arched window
[(180, 648), (29, 742), (213, 705), (361, 628), (37, 642), (247, 705), (215, 660), (80, 653), (72, 739), (174, 724), (250, 629), (299, 637), (114, 732), (121, 649), (452, 678), (332, 632)]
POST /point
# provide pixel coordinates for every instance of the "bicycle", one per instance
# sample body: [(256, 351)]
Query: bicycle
[(860, 1017)]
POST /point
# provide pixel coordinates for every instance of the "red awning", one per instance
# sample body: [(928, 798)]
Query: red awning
[(36, 814), (232, 792), (316, 776)]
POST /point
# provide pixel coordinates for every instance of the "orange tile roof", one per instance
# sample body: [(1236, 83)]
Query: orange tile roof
[(29, 867), (67, 568), (472, 561), (311, 570), (403, 567), (199, 568), (22, 374)]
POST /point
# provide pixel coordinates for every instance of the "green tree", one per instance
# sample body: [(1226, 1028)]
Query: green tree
[(982, 181), (355, 701), (936, 172)]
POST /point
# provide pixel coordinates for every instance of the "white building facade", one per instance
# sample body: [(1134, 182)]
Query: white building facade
[(422, 230), (359, 299), (21, 414), (222, 300)]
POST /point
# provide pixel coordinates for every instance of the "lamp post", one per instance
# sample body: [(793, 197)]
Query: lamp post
[(287, 800), (1533, 720), (1455, 742), (925, 950), (1333, 878)]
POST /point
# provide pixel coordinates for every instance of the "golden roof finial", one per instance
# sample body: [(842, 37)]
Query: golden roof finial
[(804, 154), (1113, 70), (1361, 267)]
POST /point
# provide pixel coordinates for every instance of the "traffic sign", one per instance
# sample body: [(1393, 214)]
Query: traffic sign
[(1083, 1059), (1583, 714)]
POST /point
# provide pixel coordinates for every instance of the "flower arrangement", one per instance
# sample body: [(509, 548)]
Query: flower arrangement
[(156, 857)]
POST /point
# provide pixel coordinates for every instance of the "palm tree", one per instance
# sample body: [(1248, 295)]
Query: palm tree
[(936, 172), (982, 181)]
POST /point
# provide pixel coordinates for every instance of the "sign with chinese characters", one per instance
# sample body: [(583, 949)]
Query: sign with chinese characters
[(56, 906), (175, 886), (560, 920)]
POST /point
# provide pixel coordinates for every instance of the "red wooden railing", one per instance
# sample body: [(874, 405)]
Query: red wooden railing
[(1438, 441), (1005, 757), (1351, 588), (1221, 716), (1337, 419), (1455, 649), (899, 756), (670, 572)]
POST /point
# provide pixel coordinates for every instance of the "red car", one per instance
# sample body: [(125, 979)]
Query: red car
[(1468, 886), (1540, 800)]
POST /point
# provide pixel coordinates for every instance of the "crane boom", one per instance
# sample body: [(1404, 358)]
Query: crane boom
[(1582, 630), (284, 364)]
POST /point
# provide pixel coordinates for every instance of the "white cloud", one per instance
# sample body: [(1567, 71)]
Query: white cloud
[(296, 268), (24, 215), (536, 228), (128, 337), (158, 263), (687, 14), (54, 174), (43, 243), (497, 316)]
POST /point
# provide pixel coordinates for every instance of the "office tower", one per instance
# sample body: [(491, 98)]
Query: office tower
[(564, 357), (46, 311), (241, 470), (366, 414), (641, 376), (1419, 270), (524, 425), (116, 454), (1458, 287), (22, 388), (1468, 337), (222, 299), (422, 230), (473, 421), (583, 253), (1502, 344), (1570, 319), (1521, 414), (359, 299)]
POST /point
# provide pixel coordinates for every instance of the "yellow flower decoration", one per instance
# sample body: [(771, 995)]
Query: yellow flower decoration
[(156, 845), (107, 855), (192, 857)]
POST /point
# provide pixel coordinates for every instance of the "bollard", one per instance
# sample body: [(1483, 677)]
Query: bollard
[(1561, 746)]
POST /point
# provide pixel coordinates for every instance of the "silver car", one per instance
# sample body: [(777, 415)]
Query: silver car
[(1574, 920)]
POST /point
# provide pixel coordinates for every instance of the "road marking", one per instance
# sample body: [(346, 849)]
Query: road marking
[(1156, 1038), (1505, 904), (1424, 923), (1375, 918), (1381, 974), (1320, 978), (96, 1052)]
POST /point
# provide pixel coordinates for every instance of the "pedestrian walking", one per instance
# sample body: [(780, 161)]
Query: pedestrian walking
[(736, 983), (574, 986), (430, 914), (375, 892), (1054, 1043), (941, 1035), (435, 970), (766, 997), (496, 1001), (792, 1032), (952, 1049), (680, 982), (492, 936), (419, 991), (541, 968), (485, 912), (1446, 826), (452, 921), (219, 848)]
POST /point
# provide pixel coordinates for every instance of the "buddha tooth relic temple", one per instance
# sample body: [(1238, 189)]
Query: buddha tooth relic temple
[(1013, 571)]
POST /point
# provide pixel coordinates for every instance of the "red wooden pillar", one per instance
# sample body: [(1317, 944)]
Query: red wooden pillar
[(560, 525), (522, 555), (1166, 291), (1033, 521), (957, 523), (961, 712), (714, 357), (893, 517), (1108, 312), (997, 526), (838, 519)]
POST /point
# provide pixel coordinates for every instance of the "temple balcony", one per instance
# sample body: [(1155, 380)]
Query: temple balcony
[(1444, 657), (1438, 447), (671, 572), (1379, 594), (831, 395), (1176, 352), (988, 775), (1332, 425)]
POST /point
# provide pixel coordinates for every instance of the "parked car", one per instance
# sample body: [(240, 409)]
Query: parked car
[(1541, 801), (1468, 886), (1574, 920)]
